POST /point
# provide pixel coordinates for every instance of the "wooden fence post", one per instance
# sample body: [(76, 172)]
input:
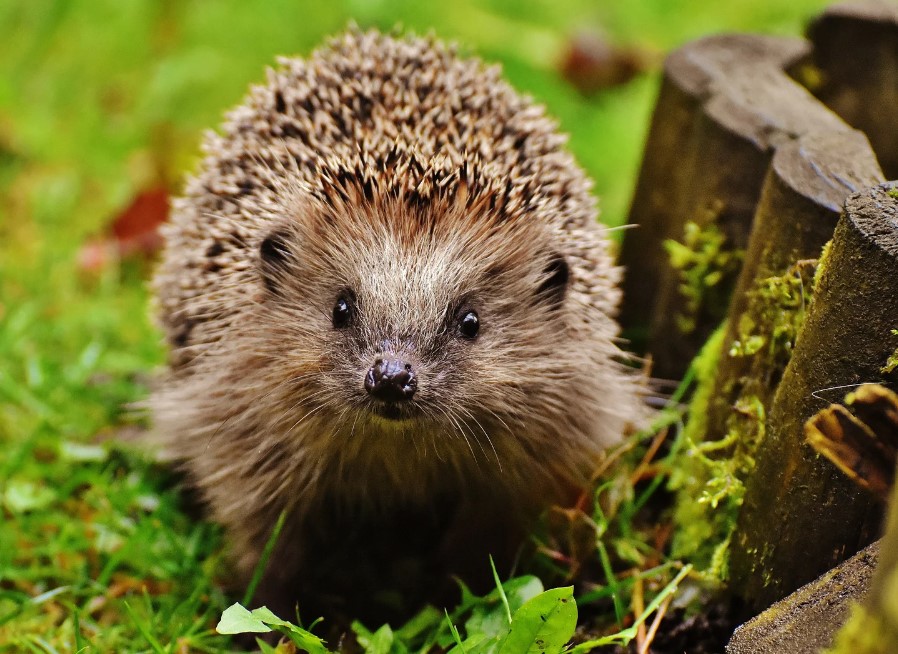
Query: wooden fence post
[(854, 70), (725, 104), (801, 516), (806, 187), (873, 627)]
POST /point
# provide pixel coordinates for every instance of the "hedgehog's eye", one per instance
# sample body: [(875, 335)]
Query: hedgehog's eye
[(468, 324), (342, 313), (555, 280)]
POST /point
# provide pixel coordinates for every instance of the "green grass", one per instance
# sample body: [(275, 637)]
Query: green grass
[(99, 100)]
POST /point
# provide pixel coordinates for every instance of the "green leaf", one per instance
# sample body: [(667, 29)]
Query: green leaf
[(264, 614), (481, 644), (468, 599), (25, 496), (380, 642), (428, 619), (488, 620), (306, 640), (362, 633), (520, 590), (265, 648), (489, 617), (82, 452), (237, 620), (544, 624)]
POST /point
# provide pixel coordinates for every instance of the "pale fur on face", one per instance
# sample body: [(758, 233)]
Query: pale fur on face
[(500, 404)]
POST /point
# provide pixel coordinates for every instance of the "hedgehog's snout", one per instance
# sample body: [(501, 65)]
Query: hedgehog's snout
[(391, 379)]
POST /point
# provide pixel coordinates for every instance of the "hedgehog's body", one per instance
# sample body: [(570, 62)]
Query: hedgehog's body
[(386, 295)]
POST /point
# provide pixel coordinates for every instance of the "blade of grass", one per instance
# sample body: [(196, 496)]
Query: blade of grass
[(80, 645), (613, 584), (142, 628), (669, 589), (625, 636), (653, 629), (601, 593), (41, 646), (500, 589), (454, 630), (192, 606), (263, 560)]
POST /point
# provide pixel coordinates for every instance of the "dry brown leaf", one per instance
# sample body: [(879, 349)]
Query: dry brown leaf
[(863, 444)]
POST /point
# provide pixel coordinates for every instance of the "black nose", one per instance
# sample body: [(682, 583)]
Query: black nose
[(391, 380)]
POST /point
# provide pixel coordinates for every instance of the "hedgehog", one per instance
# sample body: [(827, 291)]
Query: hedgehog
[(390, 312)]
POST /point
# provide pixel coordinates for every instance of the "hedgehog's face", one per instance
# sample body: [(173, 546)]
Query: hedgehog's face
[(462, 332)]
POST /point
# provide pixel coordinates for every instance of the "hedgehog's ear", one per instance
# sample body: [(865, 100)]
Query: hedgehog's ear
[(555, 279), (275, 253)]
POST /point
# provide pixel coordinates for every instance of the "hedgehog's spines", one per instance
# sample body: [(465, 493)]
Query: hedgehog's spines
[(424, 185)]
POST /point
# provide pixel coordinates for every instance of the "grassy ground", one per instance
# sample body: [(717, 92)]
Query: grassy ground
[(99, 100)]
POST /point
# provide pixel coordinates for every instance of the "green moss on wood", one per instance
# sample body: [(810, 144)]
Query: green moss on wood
[(710, 481), (863, 633), (705, 264), (822, 262), (776, 310), (892, 361), (697, 536)]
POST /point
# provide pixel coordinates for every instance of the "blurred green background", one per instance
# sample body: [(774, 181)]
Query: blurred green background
[(94, 92), (101, 100)]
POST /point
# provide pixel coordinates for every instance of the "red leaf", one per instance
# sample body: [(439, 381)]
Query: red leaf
[(592, 63), (133, 233)]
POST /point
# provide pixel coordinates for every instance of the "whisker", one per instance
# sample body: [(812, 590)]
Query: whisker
[(460, 428), (352, 430), (301, 420), (833, 388), (241, 410), (488, 439)]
